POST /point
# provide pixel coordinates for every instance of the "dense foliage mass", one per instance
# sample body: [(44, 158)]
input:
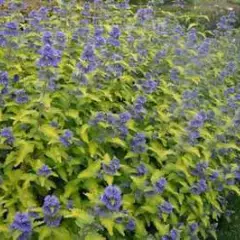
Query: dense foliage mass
[(116, 124)]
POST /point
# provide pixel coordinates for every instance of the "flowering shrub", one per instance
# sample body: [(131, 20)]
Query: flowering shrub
[(116, 124)]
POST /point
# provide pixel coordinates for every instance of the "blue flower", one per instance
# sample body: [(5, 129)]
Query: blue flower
[(66, 138), (125, 117), (112, 198), (166, 207), (111, 119), (47, 38), (61, 38), (115, 69), (88, 53), (100, 117), (144, 14), (174, 74), (23, 224), (204, 48), (115, 32), (192, 36), (200, 169), (193, 136), (189, 95), (141, 170), (11, 29), (123, 131), (193, 227), (173, 235), (100, 41), (138, 143), (198, 120), (21, 96), (131, 225), (199, 187), (3, 40), (8, 135), (44, 171), (50, 57), (3, 78), (149, 86), (214, 175), (51, 205), (16, 78), (113, 41), (112, 167), (160, 185)]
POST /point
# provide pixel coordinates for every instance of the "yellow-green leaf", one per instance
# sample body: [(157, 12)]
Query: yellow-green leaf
[(25, 149)]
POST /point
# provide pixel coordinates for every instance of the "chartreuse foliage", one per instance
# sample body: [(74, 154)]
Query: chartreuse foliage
[(115, 124)]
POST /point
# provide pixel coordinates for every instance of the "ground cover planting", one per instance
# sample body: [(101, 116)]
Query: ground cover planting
[(116, 122)]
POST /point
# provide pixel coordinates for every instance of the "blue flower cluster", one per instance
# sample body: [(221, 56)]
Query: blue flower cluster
[(111, 198), (51, 208), (23, 224), (130, 118)]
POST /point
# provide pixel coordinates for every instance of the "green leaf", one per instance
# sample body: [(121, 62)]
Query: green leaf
[(25, 149), (49, 131), (91, 171), (108, 224), (61, 233), (83, 133), (94, 236), (82, 217)]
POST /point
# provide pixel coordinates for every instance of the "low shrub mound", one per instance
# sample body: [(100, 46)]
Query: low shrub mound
[(116, 124)]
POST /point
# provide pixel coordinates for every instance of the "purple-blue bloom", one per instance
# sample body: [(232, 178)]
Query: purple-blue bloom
[(149, 86), (22, 223), (47, 38), (138, 143), (8, 135), (115, 32), (111, 198), (112, 167), (174, 74), (198, 120), (16, 78), (20, 96), (44, 171), (166, 207), (123, 130), (124, 117), (11, 29), (51, 205), (50, 57), (3, 78), (193, 227), (160, 185), (131, 225), (214, 175), (199, 187), (88, 53), (144, 14), (200, 169), (66, 138), (61, 38), (141, 170), (113, 41), (3, 40)]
